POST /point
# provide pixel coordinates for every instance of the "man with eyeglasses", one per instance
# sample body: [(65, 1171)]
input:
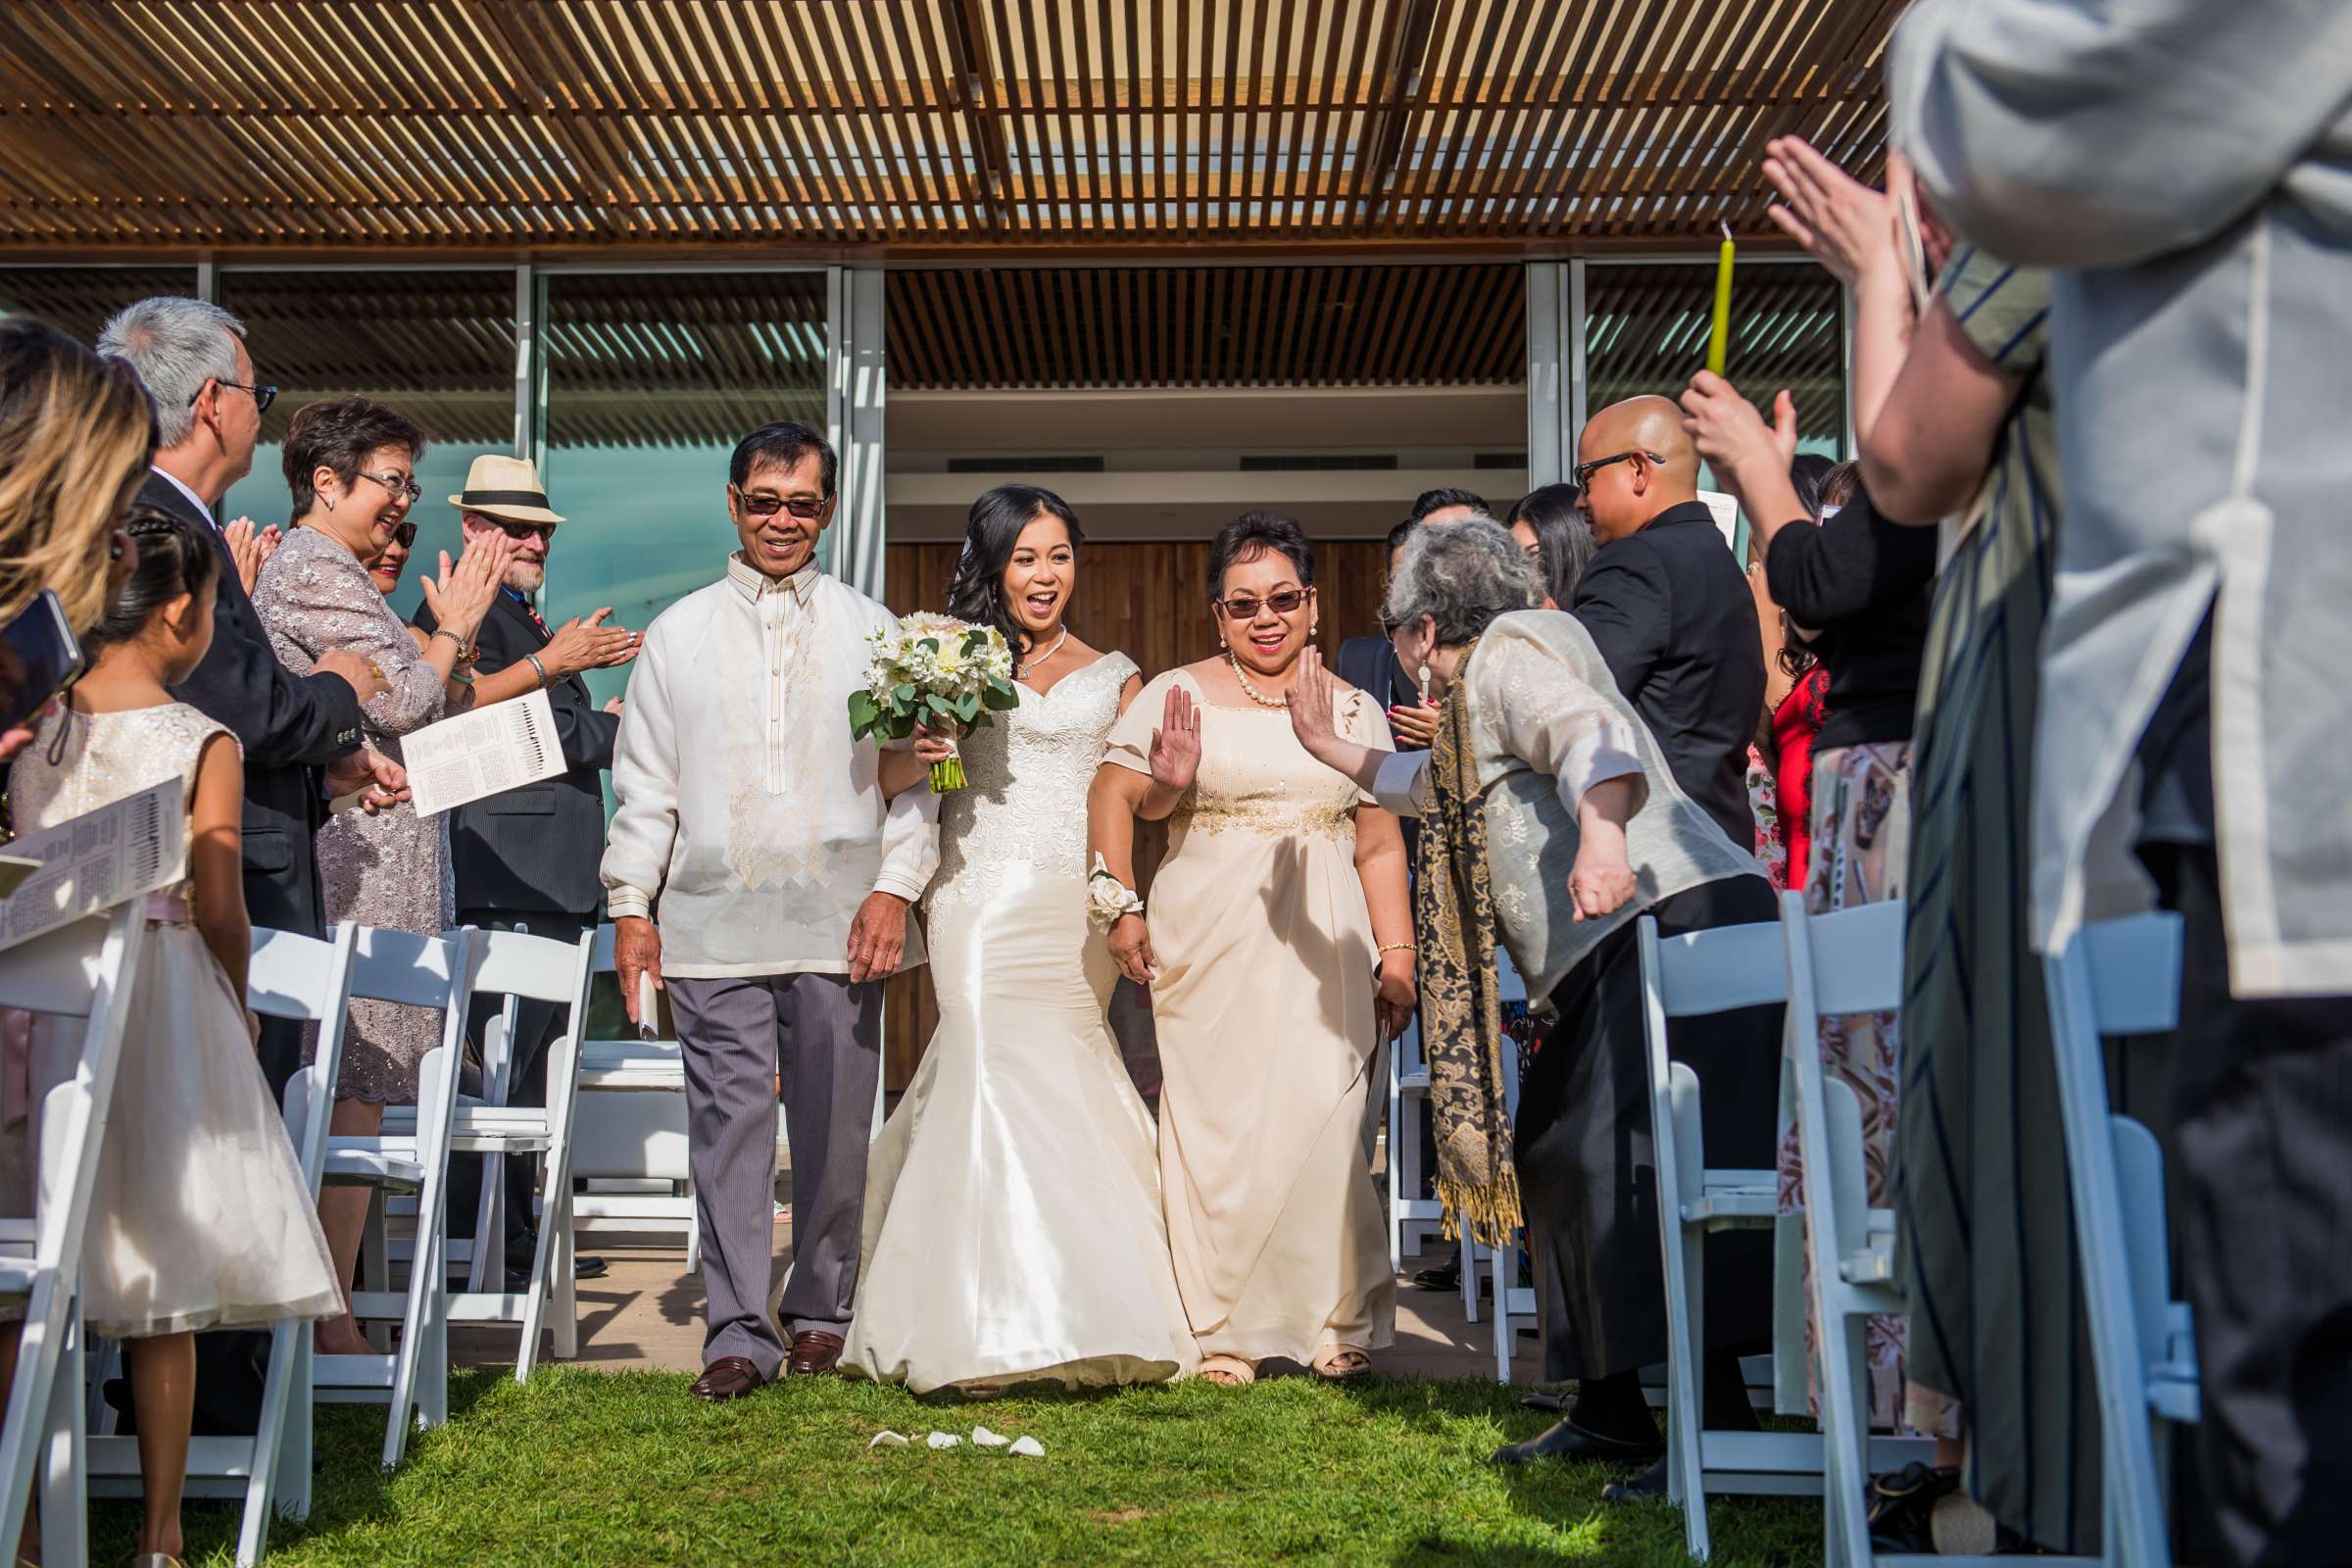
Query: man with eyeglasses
[(1668, 606), (300, 733), (528, 857), (760, 834)]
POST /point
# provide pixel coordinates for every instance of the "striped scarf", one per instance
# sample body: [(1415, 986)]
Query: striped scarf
[(1461, 1006)]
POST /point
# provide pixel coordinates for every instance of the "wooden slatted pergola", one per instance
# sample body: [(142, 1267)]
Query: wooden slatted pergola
[(240, 129)]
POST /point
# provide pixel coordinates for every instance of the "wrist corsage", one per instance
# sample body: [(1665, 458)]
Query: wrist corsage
[(1109, 901)]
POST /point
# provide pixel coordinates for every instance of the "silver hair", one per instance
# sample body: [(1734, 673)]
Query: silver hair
[(1462, 576), (175, 345)]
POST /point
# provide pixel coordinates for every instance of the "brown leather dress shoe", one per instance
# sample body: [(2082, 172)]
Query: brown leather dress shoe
[(730, 1377), (814, 1352)]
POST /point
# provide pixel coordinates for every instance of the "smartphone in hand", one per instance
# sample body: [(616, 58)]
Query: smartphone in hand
[(39, 657)]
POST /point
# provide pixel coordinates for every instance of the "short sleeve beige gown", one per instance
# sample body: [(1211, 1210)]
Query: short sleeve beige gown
[(1263, 1007)]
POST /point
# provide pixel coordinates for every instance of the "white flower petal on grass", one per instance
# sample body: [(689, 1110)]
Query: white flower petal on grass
[(985, 1438), (887, 1440), (944, 1440), (1029, 1447)]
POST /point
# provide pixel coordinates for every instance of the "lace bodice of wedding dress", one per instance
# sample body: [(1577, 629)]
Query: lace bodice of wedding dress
[(1029, 771)]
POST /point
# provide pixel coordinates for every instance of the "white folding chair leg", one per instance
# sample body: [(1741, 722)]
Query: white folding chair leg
[(565, 1346), (2135, 1510), (277, 1395), (1502, 1310), (1845, 1389), (416, 1357), (292, 1488), (65, 1482), (1686, 1292), (1466, 1263), (1392, 1166)]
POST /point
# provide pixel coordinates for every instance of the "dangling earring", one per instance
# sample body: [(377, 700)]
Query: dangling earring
[(330, 502), (1424, 683)]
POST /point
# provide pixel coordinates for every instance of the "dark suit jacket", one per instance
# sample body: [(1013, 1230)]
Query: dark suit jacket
[(1369, 664), (536, 847), (291, 727), (1670, 613)]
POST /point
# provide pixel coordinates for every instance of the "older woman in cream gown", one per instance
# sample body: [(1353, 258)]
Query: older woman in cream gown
[(1279, 952)]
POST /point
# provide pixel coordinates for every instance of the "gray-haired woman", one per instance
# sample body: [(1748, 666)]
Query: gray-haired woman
[(1550, 821)]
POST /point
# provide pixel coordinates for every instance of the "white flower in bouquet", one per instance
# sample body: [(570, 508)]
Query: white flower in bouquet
[(936, 670)]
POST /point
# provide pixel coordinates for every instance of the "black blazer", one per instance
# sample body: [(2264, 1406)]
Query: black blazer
[(1369, 664), (1670, 613), (536, 847), (291, 726)]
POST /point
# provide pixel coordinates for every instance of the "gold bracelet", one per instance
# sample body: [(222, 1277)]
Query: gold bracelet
[(1395, 947)]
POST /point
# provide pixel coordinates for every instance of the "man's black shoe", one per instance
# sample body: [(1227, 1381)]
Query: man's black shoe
[(1564, 1439), (1646, 1486)]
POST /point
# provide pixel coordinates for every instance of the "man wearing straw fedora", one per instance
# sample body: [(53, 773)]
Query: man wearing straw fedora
[(529, 857)]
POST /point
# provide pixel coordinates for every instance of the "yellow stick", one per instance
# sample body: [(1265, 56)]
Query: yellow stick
[(1720, 338)]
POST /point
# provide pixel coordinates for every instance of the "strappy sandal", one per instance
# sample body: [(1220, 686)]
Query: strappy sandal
[(1899, 1505), (1339, 1363), (1227, 1371)]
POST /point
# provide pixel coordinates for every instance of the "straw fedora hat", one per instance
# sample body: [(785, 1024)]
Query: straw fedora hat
[(507, 488)]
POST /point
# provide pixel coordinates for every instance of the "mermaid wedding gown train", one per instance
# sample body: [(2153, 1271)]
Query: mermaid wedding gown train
[(1013, 1229)]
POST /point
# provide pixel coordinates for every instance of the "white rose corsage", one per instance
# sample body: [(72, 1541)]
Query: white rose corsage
[(1109, 899)]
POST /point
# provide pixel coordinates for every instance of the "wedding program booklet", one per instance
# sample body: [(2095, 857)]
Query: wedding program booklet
[(486, 752), (126, 850)]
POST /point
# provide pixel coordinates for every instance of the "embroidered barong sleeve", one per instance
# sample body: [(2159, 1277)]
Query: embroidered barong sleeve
[(1532, 707), (1401, 785), (644, 786), (909, 843)]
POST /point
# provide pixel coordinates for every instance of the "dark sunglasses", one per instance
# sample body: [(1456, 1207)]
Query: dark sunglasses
[(1582, 473), (404, 535), (1241, 607), (262, 396), (801, 507), (519, 531)]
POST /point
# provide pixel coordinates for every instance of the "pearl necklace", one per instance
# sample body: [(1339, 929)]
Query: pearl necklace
[(1030, 667), (1249, 691)]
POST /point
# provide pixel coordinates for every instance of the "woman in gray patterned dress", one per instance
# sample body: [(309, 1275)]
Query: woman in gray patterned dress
[(351, 465)]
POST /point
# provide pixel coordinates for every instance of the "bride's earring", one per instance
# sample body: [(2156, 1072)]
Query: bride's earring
[(1424, 683)]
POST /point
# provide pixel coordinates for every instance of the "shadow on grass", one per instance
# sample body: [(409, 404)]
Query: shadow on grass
[(349, 1485)]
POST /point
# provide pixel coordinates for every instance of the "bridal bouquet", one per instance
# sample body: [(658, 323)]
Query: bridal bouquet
[(936, 670)]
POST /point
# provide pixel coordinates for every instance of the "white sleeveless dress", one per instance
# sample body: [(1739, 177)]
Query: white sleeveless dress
[(1013, 1229), (200, 1218)]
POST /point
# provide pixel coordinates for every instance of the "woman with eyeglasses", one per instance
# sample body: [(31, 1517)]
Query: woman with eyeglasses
[(1279, 950), (351, 465)]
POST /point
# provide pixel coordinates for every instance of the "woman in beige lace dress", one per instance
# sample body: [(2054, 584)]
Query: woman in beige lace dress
[(1279, 950), (351, 464)]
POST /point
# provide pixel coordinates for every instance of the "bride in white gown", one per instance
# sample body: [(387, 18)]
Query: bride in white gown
[(1013, 1229)]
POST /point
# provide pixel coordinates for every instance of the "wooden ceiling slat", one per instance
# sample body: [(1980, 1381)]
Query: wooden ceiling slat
[(922, 127)]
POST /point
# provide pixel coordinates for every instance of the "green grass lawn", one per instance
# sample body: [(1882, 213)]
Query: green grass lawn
[(592, 1467)]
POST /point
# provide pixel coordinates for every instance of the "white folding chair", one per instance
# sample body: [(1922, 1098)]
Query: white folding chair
[(629, 1146), (1683, 976), (85, 971), (436, 973), (519, 966), (301, 978), (1848, 961), (2123, 977)]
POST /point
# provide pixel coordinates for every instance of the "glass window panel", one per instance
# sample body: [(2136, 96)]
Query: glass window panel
[(651, 381), (438, 346), (1647, 328), (79, 300)]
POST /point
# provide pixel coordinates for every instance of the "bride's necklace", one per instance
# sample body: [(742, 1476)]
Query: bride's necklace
[(1249, 691), (1030, 667)]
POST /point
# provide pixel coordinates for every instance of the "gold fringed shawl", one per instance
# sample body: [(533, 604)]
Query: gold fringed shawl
[(1461, 1008)]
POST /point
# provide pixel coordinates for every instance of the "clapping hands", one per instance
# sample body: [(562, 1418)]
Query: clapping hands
[(587, 643), (463, 594), (249, 547)]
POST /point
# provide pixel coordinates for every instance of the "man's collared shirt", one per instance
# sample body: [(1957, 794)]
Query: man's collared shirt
[(194, 500), (745, 809)]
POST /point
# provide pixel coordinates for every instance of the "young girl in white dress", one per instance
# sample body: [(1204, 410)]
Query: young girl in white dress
[(200, 1218), (1013, 1218)]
